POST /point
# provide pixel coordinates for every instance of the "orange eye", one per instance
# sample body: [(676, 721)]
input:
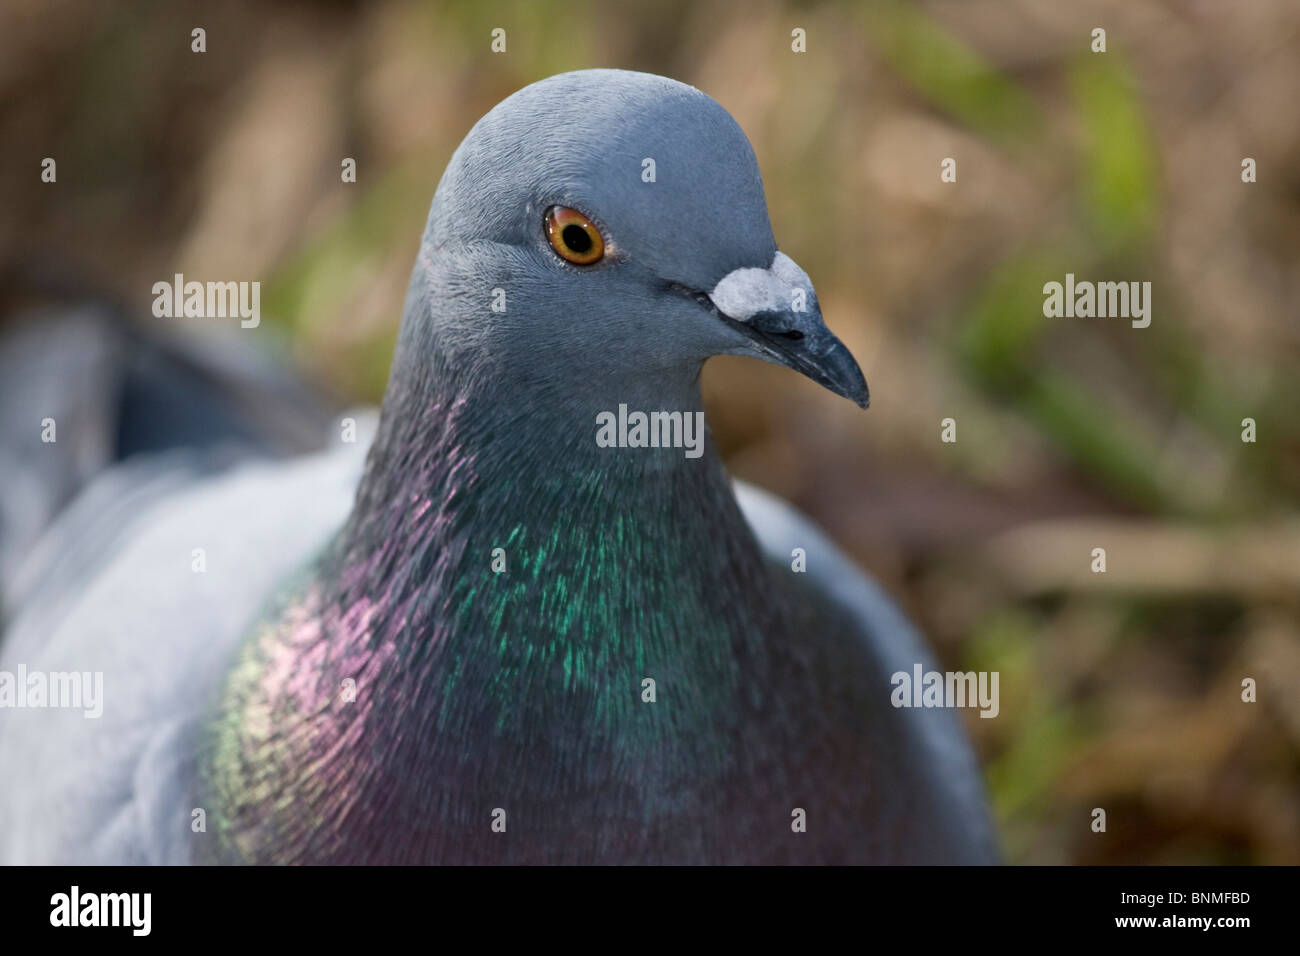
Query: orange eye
[(574, 236)]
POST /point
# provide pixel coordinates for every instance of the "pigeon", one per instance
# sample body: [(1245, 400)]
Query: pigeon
[(522, 616)]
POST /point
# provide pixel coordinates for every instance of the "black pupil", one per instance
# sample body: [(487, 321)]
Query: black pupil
[(576, 238)]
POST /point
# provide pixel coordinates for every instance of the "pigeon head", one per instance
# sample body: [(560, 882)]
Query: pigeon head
[(612, 225)]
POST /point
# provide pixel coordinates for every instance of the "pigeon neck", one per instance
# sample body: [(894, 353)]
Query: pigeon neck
[(501, 534)]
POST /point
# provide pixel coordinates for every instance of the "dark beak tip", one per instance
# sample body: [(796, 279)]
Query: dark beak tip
[(858, 396), (850, 382)]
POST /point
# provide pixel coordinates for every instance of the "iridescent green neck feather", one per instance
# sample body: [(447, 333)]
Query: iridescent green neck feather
[(621, 564)]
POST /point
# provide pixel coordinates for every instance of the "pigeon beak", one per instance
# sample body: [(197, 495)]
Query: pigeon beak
[(776, 309)]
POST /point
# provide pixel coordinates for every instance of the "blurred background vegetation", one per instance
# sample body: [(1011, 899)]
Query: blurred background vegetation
[(1119, 690)]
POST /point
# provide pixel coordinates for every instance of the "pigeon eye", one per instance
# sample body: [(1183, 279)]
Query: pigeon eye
[(574, 236)]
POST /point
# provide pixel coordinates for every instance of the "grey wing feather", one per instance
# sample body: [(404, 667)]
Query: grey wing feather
[(115, 788), (56, 371), (893, 644)]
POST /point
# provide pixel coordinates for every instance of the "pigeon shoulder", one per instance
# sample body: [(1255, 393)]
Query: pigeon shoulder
[(159, 622), (891, 643)]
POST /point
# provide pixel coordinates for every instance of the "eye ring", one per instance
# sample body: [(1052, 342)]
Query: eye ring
[(573, 236)]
